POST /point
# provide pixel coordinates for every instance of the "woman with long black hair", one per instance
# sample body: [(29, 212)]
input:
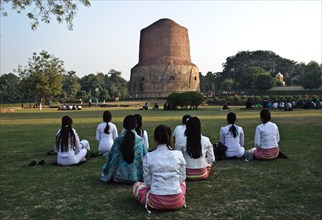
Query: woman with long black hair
[(197, 151), (141, 132), (70, 150), (125, 160), (106, 133), (233, 137), (164, 185)]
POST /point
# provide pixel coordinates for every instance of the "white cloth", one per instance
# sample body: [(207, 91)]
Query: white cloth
[(75, 153), (106, 140), (146, 139), (267, 135), (179, 131), (207, 150), (234, 145), (164, 170)]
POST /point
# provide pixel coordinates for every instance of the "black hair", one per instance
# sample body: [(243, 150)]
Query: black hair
[(265, 116), (185, 118), (139, 130), (127, 146), (231, 118), (193, 133), (66, 132), (107, 117), (162, 135)]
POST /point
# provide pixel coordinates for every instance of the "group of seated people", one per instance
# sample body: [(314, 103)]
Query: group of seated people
[(159, 177), (287, 105), (70, 107)]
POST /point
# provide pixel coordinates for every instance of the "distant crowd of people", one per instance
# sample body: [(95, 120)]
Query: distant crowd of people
[(159, 177), (286, 105)]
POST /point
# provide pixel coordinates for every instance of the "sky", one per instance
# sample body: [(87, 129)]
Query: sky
[(106, 35)]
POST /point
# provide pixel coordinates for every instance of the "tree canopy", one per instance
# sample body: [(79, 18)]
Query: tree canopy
[(44, 10)]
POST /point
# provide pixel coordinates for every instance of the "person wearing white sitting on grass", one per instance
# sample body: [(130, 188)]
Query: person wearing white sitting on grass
[(233, 137), (141, 132), (180, 129), (70, 150), (266, 139), (106, 133)]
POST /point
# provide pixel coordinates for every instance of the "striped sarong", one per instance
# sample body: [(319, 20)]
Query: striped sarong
[(142, 193), (266, 154), (198, 174)]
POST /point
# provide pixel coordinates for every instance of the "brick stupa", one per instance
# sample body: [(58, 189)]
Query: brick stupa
[(164, 62)]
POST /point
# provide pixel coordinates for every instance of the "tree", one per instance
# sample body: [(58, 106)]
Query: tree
[(10, 88), (264, 81), (235, 66), (71, 85), (227, 85), (63, 10), (249, 76), (42, 77), (312, 76)]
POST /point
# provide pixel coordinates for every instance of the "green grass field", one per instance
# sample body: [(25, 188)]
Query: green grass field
[(278, 189)]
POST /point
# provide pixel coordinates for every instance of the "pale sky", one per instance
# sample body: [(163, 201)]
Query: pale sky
[(106, 35)]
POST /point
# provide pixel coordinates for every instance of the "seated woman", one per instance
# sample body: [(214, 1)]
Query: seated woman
[(69, 149), (164, 185), (125, 160), (106, 133), (141, 132), (266, 139), (233, 137), (197, 151)]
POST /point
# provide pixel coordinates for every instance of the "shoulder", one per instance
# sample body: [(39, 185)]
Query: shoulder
[(205, 140)]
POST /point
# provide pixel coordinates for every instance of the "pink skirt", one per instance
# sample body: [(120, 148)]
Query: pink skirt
[(198, 174), (159, 202), (266, 154)]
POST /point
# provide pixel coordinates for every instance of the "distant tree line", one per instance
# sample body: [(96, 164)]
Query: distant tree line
[(45, 78), (256, 70)]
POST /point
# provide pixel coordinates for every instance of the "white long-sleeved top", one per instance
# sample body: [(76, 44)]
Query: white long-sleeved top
[(267, 135), (72, 149), (179, 131), (164, 170), (207, 153), (106, 140), (227, 138)]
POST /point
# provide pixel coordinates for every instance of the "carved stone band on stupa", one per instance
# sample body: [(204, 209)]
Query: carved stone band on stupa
[(164, 62)]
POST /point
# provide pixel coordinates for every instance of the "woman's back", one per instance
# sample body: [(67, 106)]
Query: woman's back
[(106, 140), (164, 170), (206, 149), (227, 137)]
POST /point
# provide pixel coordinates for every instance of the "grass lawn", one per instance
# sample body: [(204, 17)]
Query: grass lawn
[(279, 189)]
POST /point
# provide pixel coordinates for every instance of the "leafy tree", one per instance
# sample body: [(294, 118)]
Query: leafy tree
[(71, 85), (9, 88), (264, 81), (43, 76), (116, 85), (89, 83), (235, 66), (249, 76), (196, 99), (312, 76), (228, 85), (43, 10)]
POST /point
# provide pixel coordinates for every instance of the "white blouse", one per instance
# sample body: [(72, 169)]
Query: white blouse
[(227, 138), (72, 149), (106, 140), (179, 131), (164, 170), (267, 135), (207, 157)]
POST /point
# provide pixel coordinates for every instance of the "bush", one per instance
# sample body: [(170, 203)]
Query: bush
[(194, 99)]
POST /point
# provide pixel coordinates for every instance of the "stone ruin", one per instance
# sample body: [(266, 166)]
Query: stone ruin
[(164, 62)]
